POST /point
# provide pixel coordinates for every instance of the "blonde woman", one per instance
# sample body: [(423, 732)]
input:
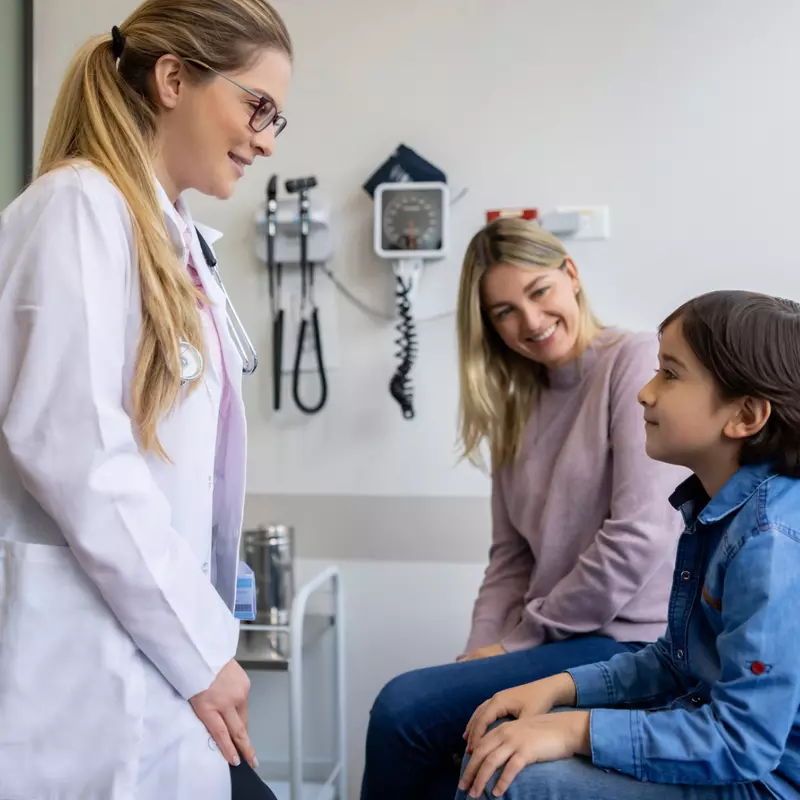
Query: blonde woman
[(122, 452), (583, 540)]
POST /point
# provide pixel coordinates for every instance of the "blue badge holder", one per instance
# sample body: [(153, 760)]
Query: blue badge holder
[(245, 605)]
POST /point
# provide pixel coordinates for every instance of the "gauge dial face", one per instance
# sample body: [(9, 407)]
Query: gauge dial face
[(412, 219)]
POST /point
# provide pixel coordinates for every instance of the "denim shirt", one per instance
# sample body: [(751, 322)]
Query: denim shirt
[(716, 699)]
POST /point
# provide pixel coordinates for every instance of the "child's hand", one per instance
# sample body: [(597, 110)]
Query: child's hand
[(528, 700), (518, 743)]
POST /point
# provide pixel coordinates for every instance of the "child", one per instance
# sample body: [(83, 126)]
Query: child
[(710, 710)]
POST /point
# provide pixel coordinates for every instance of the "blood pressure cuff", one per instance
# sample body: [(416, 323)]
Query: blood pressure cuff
[(402, 166)]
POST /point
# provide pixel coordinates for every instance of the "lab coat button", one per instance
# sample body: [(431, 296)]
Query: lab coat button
[(210, 482), (212, 745), (205, 566)]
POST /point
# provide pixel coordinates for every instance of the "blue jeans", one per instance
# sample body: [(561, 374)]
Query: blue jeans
[(579, 778), (414, 741)]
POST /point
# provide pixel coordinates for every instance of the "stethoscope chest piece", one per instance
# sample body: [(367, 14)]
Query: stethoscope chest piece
[(191, 362)]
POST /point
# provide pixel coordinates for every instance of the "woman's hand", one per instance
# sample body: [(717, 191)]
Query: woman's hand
[(528, 700), (525, 741), (484, 652), (222, 708)]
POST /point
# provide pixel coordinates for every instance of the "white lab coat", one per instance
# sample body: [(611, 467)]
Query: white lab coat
[(115, 599)]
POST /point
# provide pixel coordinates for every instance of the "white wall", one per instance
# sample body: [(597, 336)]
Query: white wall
[(682, 116), (12, 82)]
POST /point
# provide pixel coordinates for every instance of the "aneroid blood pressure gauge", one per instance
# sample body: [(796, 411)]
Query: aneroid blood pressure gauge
[(411, 220), (410, 228)]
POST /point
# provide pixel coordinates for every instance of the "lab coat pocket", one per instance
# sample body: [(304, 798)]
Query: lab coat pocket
[(71, 693)]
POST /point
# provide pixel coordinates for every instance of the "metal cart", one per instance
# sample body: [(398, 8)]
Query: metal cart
[(281, 648)]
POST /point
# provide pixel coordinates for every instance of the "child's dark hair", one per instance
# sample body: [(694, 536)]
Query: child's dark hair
[(750, 343)]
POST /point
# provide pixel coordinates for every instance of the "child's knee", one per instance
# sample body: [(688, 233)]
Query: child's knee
[(551, 780)]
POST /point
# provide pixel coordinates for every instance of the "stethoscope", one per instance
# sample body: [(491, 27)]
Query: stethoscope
[(191, 360)]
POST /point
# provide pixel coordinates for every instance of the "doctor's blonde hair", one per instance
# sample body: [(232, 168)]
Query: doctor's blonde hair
[(103, 115), (499, 387)]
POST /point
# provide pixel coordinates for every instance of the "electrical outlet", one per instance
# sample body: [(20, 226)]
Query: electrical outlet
[(594, 221)]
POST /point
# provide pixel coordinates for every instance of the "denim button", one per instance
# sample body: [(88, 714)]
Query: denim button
[(697, 700), (685, 575), (679, 654)]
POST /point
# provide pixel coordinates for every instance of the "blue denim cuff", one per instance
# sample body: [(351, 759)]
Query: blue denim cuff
[(617, 740), (593, 685)]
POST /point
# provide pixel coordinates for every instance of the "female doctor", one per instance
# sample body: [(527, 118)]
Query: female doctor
[(123, 434)]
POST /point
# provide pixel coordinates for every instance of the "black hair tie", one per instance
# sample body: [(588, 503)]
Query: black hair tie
[(117, 43)]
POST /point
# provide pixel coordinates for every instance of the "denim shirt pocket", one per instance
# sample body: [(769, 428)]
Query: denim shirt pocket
[(712, 608), (711, 590)]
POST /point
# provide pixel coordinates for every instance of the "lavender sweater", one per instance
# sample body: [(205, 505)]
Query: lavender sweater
[(584, 537)]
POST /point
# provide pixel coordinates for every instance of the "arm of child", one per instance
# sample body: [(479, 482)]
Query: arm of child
[(647, 677), (741, 734)]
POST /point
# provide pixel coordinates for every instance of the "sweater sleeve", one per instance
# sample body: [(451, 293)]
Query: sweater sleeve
[(639, 533), (506, 578)]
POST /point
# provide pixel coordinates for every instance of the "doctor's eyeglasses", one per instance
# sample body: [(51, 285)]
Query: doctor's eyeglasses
[(264, 114)]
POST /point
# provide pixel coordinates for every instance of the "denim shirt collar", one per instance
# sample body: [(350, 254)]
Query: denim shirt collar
[(692, 500)]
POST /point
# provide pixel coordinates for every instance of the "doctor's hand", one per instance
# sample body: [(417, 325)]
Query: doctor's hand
[(222, 708)]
